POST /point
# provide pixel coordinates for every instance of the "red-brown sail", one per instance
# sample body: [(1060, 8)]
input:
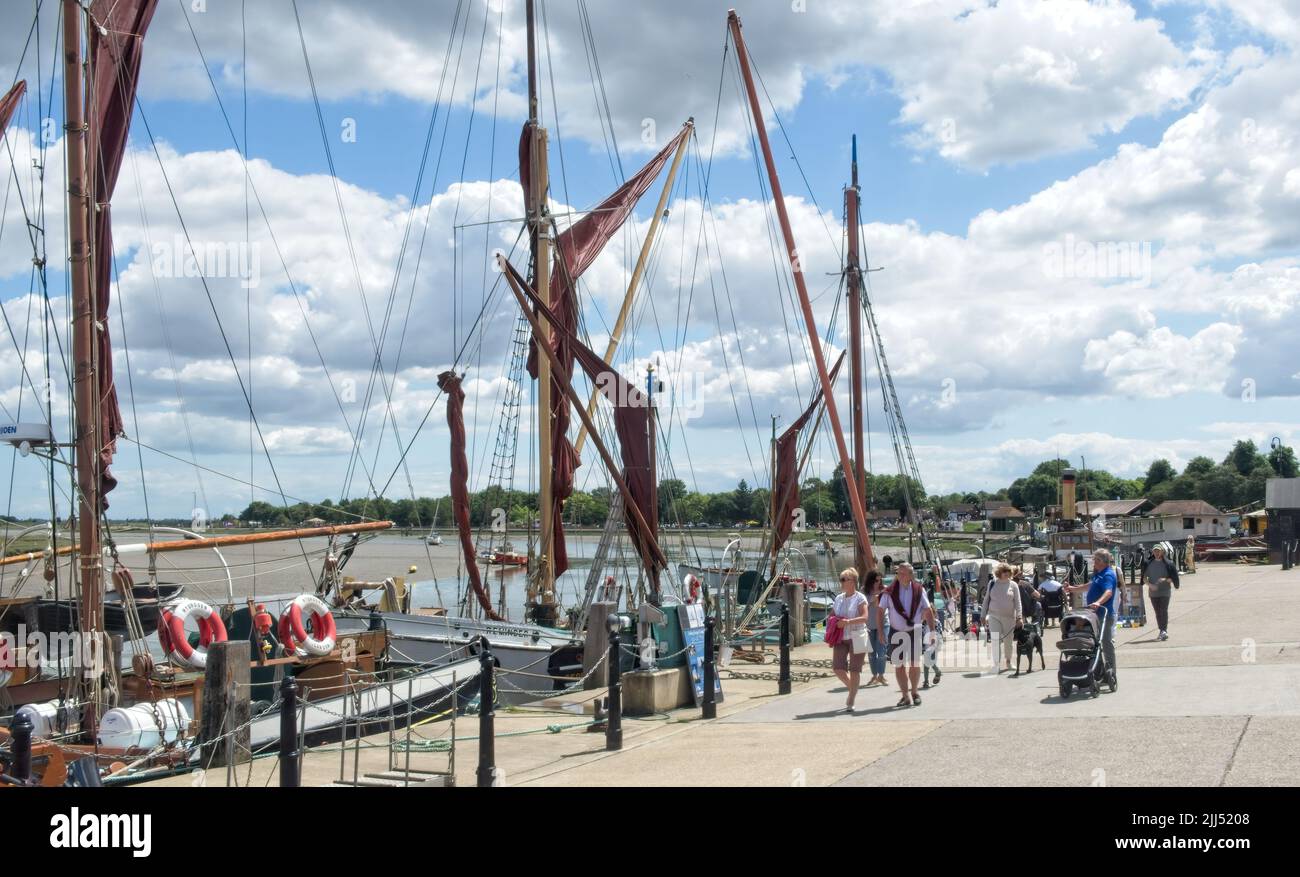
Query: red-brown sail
[(785, 480), (449, 383), (575, 249), (116, 47), (9, 103), (632, 413)]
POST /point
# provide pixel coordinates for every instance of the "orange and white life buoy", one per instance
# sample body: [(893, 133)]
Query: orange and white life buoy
[(692, 588), (171, 632), (293, 632)]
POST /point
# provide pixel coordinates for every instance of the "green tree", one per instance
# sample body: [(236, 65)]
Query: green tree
[(1244, 457), (1222, 487), (671, 492), (1159, 472), (1198, 466), (1283, 461), (742, 501), (1034, 492)]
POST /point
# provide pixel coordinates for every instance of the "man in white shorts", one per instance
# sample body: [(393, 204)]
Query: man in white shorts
[(909, 616)]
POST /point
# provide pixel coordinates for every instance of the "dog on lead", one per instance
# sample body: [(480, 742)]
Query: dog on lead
[(1029, 640)]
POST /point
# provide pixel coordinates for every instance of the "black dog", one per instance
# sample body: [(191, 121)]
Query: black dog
[(1029, 640)]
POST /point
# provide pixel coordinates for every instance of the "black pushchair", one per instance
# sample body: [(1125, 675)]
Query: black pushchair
[(1083, 660), (1053, 605)]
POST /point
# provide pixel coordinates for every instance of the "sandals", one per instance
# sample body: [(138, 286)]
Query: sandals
[(904, 701), (916, 699)]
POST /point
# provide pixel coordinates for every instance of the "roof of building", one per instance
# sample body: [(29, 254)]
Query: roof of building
[(1009, 512), (991, 504), (1185, 507), (1113, 508)]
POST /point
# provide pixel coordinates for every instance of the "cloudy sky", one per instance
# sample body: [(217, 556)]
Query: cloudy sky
[(1085, 216)]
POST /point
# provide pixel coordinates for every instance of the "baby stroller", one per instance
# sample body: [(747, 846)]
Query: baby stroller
[(1083, 661), (1053, 605)]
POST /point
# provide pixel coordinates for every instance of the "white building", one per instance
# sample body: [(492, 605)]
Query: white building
[(1174, 521)]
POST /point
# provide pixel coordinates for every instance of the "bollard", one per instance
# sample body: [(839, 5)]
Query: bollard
[(487, 714), (614, 721), (965, 627), (708, 705), (783, 681), (21, 747), (289, 755)]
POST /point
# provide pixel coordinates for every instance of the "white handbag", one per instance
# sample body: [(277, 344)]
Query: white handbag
[(858, 638)]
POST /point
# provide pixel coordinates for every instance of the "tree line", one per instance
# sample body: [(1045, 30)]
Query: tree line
[(1236, 481)]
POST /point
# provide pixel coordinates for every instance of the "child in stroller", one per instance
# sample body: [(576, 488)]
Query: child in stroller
[(1083, 662)]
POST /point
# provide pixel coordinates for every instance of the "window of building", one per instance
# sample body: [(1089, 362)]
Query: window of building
[(1189, 524)]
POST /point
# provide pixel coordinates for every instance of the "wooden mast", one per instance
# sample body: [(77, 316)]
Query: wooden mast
[(630, 296), (846, 463), (542, 583), (85, 379), (856, 377)]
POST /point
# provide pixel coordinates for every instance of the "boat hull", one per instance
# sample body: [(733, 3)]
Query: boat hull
[(523, 652)]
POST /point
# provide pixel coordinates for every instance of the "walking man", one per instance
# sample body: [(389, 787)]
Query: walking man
[(1161, 576), (906, 608)]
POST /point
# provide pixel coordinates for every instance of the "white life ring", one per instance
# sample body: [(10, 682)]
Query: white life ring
[(293, 632), (171, 632)]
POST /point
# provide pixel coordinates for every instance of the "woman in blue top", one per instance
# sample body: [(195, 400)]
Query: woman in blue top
[(1102, 590)]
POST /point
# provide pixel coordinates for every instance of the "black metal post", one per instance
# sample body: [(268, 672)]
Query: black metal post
[(783, 681), (21, 747), (708, 705), (487, 714), (964, 626), (290, 777), (614, 721)]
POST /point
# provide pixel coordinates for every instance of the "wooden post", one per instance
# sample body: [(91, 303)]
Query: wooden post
[(793, 597), (226, 706)]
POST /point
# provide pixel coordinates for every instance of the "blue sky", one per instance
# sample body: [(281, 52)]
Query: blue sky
[(987, 133)]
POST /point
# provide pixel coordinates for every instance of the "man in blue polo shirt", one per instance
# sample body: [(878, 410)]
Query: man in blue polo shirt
[(1102, 590)]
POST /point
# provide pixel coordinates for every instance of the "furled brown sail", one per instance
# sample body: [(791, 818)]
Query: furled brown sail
[(632, 413), (785, 481), (449, 383), (116, 47)]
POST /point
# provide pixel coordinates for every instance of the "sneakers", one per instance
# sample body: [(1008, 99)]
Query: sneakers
[(1163, 636)]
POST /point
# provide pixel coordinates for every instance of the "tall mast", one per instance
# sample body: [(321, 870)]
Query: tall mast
[(84, 382), (543, 583), (846, 463), (854, 271)]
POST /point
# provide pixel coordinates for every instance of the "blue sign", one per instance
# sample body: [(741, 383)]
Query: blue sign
[(692, 619)]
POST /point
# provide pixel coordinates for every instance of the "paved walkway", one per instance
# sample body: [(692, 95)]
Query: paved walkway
[(1217, 704)]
